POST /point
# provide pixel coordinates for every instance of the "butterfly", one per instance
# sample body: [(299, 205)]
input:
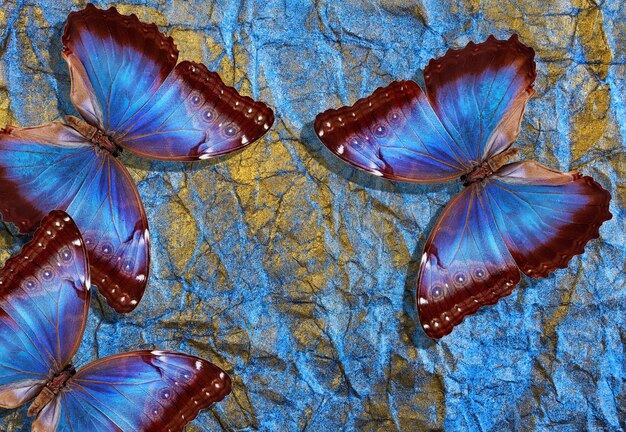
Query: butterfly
[(44, 301), (132, 96), (510, 217)]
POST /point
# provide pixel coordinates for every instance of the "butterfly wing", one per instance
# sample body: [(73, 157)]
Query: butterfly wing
[(52, 167), (393, 133), (526, 217), (137, 391), (476, 98), (465, 264), (44, 300), (125, 82), (546, 216), (480, 92)]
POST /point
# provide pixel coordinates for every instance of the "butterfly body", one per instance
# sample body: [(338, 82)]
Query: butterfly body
[(94, 135), (487, 168), (51, 390), (511, 217)]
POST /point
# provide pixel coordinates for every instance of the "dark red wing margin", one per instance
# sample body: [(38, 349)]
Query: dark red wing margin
[(394, 133)]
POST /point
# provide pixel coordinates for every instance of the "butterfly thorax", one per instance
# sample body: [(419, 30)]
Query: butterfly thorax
[(488, 167), (94, 135), (51, 389)]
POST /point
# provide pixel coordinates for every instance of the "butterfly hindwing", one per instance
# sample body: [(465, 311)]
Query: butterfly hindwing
[(479, 93), (546, 216), (44, 300), (394, 133), (525, 217), (125, 82), (465, 264), (53, 167), (139, 391)]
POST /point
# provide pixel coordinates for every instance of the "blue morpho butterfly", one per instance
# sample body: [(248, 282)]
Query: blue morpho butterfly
[(510, 216), (132, 96), (44, 301)]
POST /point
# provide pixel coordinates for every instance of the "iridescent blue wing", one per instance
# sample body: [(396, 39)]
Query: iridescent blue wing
[(125, 82), (480, 92), (44, 300), (546, 216), (465, 264), (137, 391), (476, 98), (52, 167), (394, 133), (525, 217)]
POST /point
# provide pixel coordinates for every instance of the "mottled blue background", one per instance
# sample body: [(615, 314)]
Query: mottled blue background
[(296, 273)]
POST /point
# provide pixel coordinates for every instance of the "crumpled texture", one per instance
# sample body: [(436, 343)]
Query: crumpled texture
[(296, 273)]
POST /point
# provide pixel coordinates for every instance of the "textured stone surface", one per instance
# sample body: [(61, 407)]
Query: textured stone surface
[(296, 273)]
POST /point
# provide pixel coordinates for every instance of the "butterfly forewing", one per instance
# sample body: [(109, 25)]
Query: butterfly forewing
[(479, 93), (393, 133), (124, 81), (53, 167), (44, 300), (116, 64), (140, 391)]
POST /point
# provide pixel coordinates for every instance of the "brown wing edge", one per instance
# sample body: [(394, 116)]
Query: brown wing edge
[(453, 59), (202, 73), (324, 126), (204, 397), (325, 122), (503, 288)]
